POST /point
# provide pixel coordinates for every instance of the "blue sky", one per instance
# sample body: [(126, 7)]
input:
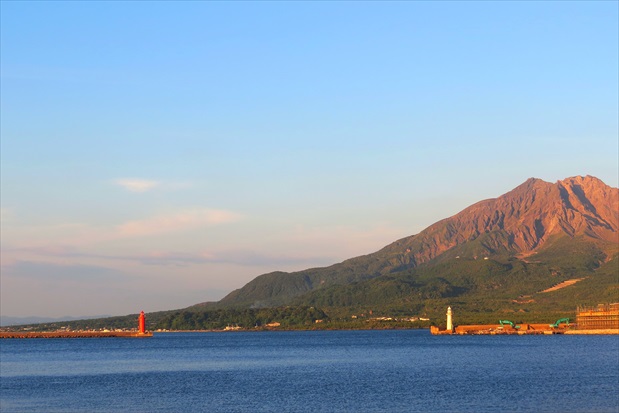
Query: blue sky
[(159, 154)]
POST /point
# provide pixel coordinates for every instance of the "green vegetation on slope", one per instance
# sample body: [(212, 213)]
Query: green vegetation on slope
[(483, 290), (219, 319)]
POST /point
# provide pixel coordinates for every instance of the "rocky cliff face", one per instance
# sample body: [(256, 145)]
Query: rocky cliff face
[(523, 220)]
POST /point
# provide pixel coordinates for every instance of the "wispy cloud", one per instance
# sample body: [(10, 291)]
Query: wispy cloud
[(179, 221), (52, 271), (145, 185), (81, 235), (246, 258), (137, 185)]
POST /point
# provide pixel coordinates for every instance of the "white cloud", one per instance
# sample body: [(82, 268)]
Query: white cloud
[(137, 185), (179, 221), (144, 185)]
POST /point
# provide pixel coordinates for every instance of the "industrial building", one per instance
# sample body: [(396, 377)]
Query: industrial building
[(602, 317)]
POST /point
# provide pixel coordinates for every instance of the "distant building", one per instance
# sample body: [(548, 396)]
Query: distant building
[(602, 317)]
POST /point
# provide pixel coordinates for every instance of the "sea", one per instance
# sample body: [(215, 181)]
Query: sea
[(311, 371)]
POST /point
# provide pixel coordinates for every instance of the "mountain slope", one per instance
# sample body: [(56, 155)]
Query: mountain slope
[(573, 220)]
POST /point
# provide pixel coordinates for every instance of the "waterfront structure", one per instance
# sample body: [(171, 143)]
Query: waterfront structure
[(71, 334), (602, 317), (64, 333), (141, 323)]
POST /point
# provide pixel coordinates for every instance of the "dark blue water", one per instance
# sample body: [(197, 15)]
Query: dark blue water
[(334, 371)]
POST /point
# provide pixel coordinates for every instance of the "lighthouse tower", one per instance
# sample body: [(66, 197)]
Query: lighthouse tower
[(450, 325), (141, 323)]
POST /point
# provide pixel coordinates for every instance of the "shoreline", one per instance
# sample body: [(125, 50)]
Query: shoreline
[(561, 332), (432, 331)]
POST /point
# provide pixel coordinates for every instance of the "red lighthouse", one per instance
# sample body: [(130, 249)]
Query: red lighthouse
[(141, 323)]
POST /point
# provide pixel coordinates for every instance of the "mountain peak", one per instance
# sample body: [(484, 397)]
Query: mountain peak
[(522, 221), (579, 179)]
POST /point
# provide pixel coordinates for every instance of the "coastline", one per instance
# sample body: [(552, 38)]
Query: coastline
[(129, 334)]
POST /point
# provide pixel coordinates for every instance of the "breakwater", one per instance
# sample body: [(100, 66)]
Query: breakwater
[(64, 333), (72, 334), (522, 329), (600, 320), (498, 329)]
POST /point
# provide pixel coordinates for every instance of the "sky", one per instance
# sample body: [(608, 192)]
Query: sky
[(155, 155)]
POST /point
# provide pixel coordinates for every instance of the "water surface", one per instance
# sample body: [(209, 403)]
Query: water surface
[(331, 371)]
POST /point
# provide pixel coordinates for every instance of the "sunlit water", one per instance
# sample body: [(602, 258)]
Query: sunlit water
[(332, 371)]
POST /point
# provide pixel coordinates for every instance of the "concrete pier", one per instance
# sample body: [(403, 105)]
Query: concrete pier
[(73, 334)]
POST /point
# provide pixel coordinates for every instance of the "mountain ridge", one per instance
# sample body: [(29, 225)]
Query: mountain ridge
[(519, 223), (532, 254)]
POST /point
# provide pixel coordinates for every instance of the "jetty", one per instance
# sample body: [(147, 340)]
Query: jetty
[(139, 333), (72, 334), (603, 319)]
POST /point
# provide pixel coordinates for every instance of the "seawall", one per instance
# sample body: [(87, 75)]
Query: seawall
[(73, 334), (525, 329)]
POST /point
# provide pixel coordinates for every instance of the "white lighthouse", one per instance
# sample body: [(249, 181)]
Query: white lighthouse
[(450, 325)]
